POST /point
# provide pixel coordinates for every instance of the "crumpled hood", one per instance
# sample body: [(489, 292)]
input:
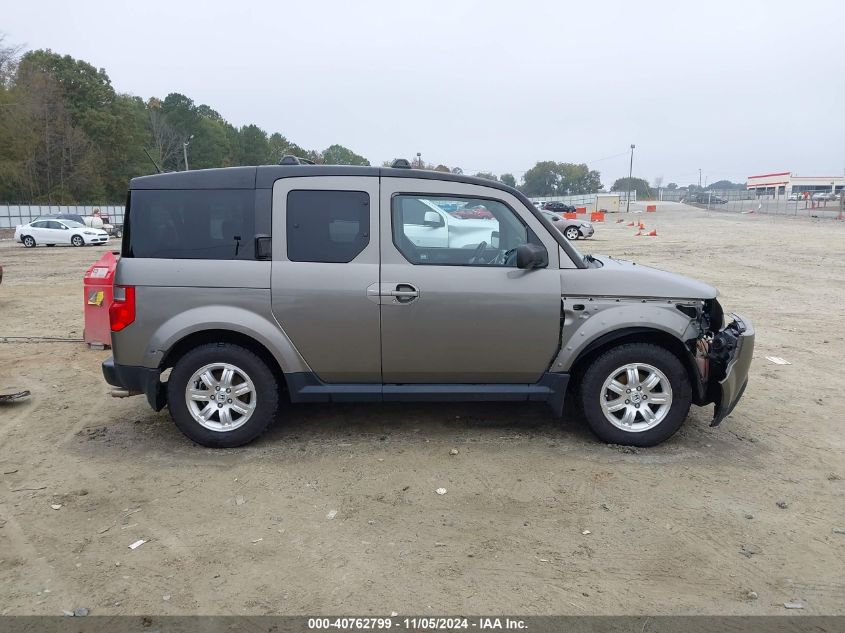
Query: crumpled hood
[(621, 278)]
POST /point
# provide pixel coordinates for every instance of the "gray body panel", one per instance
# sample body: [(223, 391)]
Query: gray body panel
[(323, 307), (620, 278), (470, 324), (604, 315), (176, 298)]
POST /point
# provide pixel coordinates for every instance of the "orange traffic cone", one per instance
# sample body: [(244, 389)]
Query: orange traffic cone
[(652, 233), (642, 226), (630, 224)]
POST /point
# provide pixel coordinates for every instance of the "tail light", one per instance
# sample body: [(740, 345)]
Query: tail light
[(122, 309)]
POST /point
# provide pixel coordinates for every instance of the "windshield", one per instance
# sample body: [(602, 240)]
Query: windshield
[(72, 224)]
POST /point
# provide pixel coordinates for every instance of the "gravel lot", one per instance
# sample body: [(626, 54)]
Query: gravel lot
[(691, 526)]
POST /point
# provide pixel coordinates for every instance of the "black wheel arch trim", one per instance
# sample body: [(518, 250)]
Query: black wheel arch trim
[(700, 395)]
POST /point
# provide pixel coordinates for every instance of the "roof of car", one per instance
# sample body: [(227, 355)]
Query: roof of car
[(263, 176)]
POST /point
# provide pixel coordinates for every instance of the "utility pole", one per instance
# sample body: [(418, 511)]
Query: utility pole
[(699, 177), (185, 150), (630, 182), (419, 160)]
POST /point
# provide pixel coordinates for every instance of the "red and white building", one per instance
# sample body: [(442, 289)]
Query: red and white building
[(784, 183)]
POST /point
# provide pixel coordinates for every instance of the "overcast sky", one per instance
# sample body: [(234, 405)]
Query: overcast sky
[(734, 88)]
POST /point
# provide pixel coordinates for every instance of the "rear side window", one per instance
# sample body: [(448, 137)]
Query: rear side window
[(191, 224), (327, 226)]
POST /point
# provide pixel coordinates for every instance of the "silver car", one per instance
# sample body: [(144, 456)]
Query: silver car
[(237, 287), (572, 229)]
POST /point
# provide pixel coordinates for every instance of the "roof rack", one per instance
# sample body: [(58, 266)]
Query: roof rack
[(295, 160), (401, 163)]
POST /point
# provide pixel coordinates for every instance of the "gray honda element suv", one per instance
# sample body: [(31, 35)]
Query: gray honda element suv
[(319, 283)]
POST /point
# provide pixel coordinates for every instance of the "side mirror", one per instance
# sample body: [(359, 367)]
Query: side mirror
[(433, 219), (530, 256)]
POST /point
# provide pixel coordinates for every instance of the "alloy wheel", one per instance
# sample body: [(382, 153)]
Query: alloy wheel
[(221, 397), (636, 397)]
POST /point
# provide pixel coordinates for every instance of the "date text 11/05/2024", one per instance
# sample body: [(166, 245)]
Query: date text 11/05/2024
[(416, 623)]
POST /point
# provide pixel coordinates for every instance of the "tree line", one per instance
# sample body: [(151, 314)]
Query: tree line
[(67, 136)]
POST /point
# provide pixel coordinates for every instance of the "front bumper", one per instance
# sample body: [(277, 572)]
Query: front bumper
[(737, 339), (586, 231), (138, 379)]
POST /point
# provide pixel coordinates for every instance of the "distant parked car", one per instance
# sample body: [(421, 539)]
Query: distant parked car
[(559, 207), (475, 212), (571, 229), (702, 198), (824, 195), (794, 197), (52, 232)]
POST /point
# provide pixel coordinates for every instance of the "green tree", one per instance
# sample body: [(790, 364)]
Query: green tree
[(340, 155), (726, 184), (253, 146), (487, 175), (508, 179), (672, 185), (632, 184), (548, 178), (86, 92), (542, 179)]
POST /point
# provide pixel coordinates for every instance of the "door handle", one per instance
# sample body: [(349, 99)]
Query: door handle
[(404, 293)]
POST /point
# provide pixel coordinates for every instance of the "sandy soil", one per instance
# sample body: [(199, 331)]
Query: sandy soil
[(688, 527)]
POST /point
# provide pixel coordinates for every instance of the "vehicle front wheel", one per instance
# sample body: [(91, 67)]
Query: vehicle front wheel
[(637, 394), (28, 241), (77, 240), (222, 395), (571, 233)]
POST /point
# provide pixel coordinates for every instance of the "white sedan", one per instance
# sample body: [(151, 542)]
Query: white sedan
[(52, 232)]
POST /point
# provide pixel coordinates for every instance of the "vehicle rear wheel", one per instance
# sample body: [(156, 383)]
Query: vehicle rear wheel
[(28, 241), (637, 394), (571, 233), (77, 240), (222, 395)]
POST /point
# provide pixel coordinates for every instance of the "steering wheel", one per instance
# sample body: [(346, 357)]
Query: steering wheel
[(479, 250)]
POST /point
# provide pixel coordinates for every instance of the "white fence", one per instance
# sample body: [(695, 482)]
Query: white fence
[(587, 199), (12, 215)]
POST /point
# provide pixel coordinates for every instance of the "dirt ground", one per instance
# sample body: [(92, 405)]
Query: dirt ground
[(691, 526)]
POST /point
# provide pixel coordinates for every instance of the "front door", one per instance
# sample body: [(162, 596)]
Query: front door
[(457, 310), (325, 271)]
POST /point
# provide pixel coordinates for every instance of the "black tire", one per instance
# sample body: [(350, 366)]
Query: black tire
[(118, 233), (266, 390), (571, 233), (28, 241), (606, 364), (77, 240)]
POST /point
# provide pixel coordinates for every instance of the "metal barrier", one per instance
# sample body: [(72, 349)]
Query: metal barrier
[(11, 215)]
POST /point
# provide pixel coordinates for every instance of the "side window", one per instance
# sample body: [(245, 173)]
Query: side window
[(40, 225), (327, 226), (192, 224), (450, 231), (52, 224)]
